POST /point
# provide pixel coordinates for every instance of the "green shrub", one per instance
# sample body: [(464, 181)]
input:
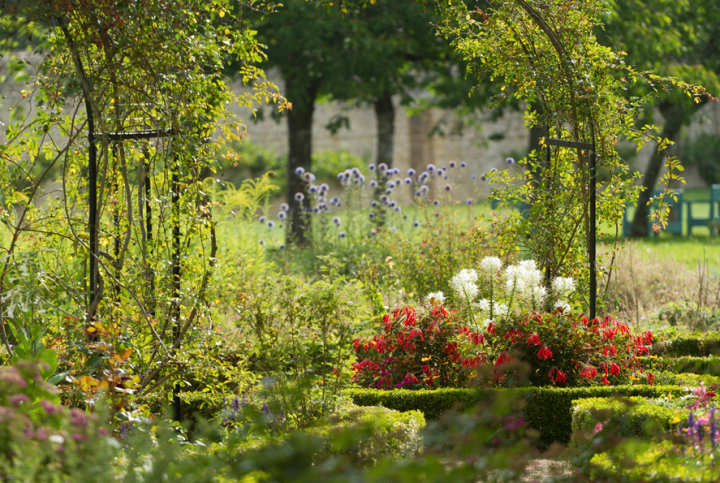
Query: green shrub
[(695, 344), (631, 417), (385, 433), (547, 410), (685, 364)]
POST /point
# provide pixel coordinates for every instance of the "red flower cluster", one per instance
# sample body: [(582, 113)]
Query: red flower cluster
[(418, 350)]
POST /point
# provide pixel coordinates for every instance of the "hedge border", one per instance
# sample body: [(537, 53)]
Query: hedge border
[(685, 364), (548, 410)]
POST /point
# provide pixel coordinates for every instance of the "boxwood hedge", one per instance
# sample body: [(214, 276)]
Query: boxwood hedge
[(630, 417), (685, 364), (694, 344), (548, 410)]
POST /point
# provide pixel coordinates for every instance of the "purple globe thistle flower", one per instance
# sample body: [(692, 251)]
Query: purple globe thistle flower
[(335, 201), (448, 187), (430, 168), (404, 217), (261, 219), (390, 184), (299, 171), (282, 215), (397, 209), (388, 191), (463, 164), (309, 177), (416, 224), (492, 170), (372, 215), (424, 189), (324, 187), (384, 199), (271, 224), (346, 175), (361, 178), (436, 203), (315, 210), (474, 177), (371, 167), (484, 177), (411, 172), (282, 247), (355, 171), (342, 234), (452, 165), (408, 180), (382, 167), (373, 184), (340, 176), (299, 196), (509, 160), (284, 207), (468, 201), (336, 220), (373, 203), (392, 204), (323, 207), (313, 189)]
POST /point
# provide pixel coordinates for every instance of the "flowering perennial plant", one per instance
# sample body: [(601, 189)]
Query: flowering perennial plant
[(415, 350)]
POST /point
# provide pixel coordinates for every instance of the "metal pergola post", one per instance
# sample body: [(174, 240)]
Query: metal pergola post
[(587, 147)]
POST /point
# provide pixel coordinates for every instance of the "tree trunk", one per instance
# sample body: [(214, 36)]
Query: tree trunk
[(385, 114), (675, 116), (300, 136)]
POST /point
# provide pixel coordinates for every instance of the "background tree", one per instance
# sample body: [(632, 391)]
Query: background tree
[(670, 38)]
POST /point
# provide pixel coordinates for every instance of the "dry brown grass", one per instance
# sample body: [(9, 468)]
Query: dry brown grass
[(644, 283)]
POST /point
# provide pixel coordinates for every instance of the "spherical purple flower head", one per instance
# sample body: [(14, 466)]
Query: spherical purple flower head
[(371, 167), (299, 196), (284, 207), (468, 201), (411, 172), (271, 224), (355, 171), (418, 193), (453, 165), (335, 201), (492, 170), (397, 209), (408, 180), (336, 220), (440, 173), (390, 184), (372, 215), (424, 189), (309, 177), (261, 219), (282, 247), (347, 175), (509, 161), (436, 203), (322, 207), (416, 224), (313, 188), (373, 184), (373, 203), (462, 165), (340, 176), (437, 214), (430, 168), (388, 191), (398, 182), (404, 217), (392, 204), (384, 199), (324, 187), (299, 171), (282, 215), (382, 167), (315, 210), (361, 178), (448, 187), (342, 234), (474, 177)]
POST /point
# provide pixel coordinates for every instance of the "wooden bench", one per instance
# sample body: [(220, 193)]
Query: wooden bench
[(705, 221)]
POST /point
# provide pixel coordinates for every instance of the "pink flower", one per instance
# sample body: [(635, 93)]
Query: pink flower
[(598, 427), (18, 399)]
